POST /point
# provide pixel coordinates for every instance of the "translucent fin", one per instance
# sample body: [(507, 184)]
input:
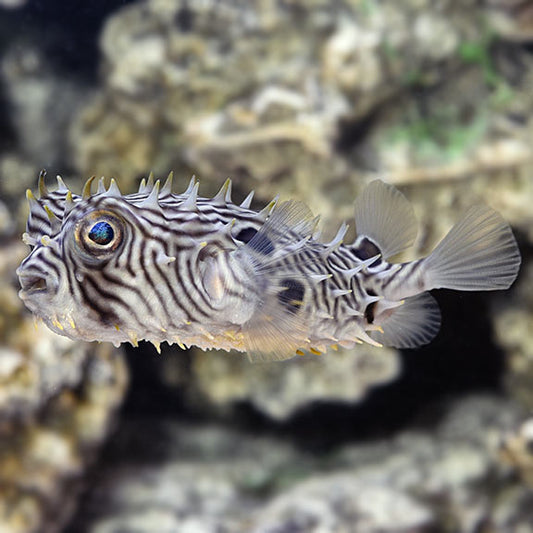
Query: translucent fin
[(383, 213), (288, 218), (279, 324), (412, 324), (273, 338), (478, 253)]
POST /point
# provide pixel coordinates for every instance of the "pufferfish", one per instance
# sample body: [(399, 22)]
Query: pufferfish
[(206, 272)]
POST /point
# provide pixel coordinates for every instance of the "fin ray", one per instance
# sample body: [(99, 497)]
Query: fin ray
[(412, 324), (289, 217), (278, 326), (384, 214), (478, 253)]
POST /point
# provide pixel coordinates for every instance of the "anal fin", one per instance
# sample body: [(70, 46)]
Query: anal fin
[(410, 325)]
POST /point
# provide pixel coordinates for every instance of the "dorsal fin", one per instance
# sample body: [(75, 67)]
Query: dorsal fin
[(383, 213)]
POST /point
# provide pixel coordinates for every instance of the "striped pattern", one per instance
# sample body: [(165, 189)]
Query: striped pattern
[(207, 272)]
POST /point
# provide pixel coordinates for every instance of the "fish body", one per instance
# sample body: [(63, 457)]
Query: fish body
[(160, 266)]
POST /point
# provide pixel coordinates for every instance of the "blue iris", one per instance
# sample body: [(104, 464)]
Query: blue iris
[(101, 233)]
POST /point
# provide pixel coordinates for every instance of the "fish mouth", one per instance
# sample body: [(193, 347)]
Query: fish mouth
[(32, 284)]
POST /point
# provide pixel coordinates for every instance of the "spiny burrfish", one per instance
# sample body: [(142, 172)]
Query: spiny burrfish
[(184, 269)]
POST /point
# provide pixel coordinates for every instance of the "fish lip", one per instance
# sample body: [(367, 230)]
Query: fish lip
[(32, 284)]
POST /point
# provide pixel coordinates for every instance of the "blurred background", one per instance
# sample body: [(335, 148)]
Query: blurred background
[(310, 100)]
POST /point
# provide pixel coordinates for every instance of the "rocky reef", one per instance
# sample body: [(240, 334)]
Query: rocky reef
[(309, 100), (58, 399), (446, 477), (283, 95)]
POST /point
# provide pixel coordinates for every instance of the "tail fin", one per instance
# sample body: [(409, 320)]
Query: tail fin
[(478, 254)]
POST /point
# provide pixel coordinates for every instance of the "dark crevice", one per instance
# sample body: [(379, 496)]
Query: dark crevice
[(8, 136), (352, 132), (460, 360), (66, 32), (185, 18), (147, 394)]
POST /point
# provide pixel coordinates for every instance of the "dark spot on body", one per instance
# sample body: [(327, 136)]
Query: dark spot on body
[(262, 244), (246, 234), (292, 296), (108, 318), (367, 249), (258, 242), (370, 308)]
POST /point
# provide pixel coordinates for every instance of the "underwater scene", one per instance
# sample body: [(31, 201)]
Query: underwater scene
[(179, 354)]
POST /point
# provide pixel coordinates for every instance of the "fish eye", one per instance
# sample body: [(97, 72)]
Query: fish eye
[(99, 233)]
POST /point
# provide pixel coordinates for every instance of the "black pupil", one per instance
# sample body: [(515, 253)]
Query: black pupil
[(101, 233)]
